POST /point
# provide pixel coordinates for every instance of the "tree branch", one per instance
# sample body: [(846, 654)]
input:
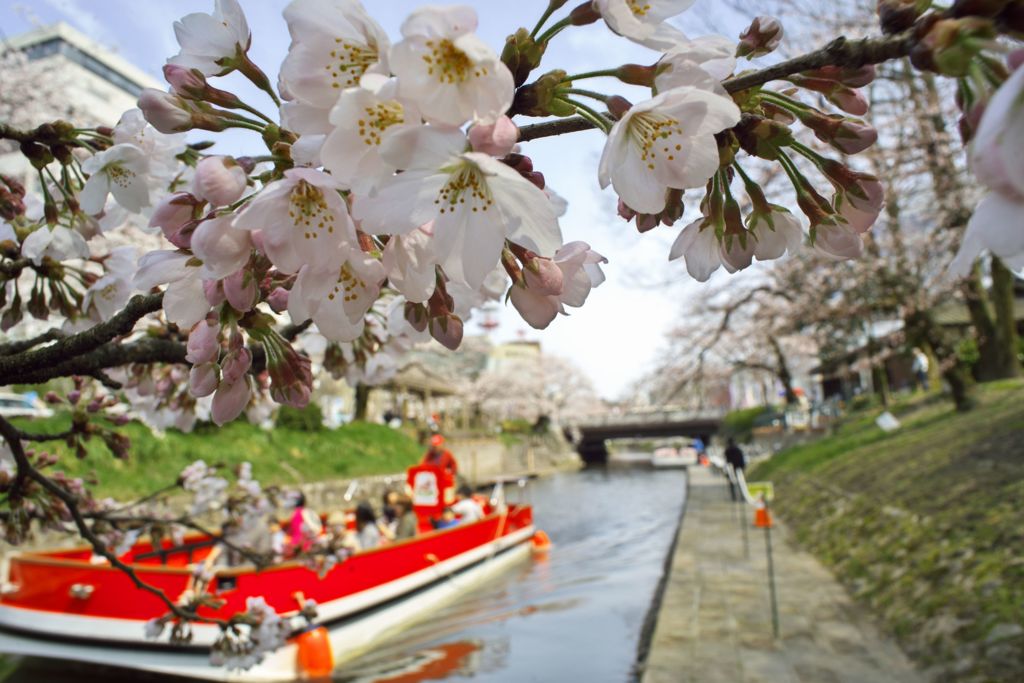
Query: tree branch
[(95, 361), (840, 52), (68, 351), (19, 346)]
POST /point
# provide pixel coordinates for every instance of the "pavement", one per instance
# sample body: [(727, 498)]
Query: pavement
[(714, 624)]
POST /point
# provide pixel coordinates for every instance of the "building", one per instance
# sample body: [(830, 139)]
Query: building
[(72, 77), (511, 354)]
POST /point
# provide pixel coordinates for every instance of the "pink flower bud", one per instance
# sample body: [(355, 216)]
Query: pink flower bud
[(416, 316), (214, 291), (229, 401), (74, 396), (184, 81), (853, 137), (174, 216), (447, 330), (52, 397), (236, 364), (837, 242), (203, 379), (543, 276), (278, 300), (203, 343), (849, 100), (241, 291), (219, 180), (737, 250), (760, 38), (164, 111), (496, 139)]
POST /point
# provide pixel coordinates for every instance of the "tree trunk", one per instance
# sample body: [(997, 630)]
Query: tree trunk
[(986, 336), (362, 402), (922, 330), (782, 371), (1007, 341)]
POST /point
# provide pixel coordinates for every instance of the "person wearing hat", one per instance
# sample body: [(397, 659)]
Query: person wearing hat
[(440, 456)]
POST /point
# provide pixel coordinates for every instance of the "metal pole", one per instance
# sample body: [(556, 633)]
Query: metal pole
[(744, 521), (771, 579)]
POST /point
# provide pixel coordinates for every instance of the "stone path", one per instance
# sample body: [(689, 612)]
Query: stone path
[(714, 625)]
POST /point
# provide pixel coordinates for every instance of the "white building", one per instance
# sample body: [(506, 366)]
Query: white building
[(76, 79)]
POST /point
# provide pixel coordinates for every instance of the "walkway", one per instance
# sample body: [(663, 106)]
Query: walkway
[(714, 625)]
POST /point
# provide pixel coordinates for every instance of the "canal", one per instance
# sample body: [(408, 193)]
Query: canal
[(575, 614)]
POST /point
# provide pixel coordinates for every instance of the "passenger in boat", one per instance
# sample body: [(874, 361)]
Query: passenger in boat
[(438, 455), (466, 507), (447, 519), (304, 527), (367, 534), (387, 523), (406, 518)]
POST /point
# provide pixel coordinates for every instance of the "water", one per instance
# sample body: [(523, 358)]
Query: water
[(575, 615)]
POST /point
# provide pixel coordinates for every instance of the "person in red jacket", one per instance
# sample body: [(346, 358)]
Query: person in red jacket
[(438, 455)]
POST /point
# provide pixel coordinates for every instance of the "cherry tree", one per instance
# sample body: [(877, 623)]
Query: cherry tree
[(390, 193)]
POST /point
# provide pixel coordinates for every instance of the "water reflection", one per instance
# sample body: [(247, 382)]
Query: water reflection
[(573, 614)]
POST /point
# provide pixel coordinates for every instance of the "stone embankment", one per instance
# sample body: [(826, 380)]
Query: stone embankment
[(714, 624)]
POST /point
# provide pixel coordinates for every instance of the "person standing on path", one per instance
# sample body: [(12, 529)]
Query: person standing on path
[(735, 457)]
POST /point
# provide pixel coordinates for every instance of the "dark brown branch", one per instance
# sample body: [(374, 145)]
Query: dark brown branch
[(71, 349), (840, 52), (24, 345), (95, 361)]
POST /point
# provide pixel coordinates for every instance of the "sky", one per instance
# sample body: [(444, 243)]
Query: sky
[(618, 334)]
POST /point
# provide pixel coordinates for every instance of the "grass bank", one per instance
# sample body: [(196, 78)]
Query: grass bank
[(281, 456), (923, 525)]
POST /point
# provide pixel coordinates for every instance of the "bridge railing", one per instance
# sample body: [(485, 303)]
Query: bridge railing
[(660, 416)]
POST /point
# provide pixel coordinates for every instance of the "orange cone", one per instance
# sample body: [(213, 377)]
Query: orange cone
[(315, 657), (762, 518)]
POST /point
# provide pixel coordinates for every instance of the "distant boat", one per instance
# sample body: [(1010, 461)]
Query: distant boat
[(666, 457), (63, 605)]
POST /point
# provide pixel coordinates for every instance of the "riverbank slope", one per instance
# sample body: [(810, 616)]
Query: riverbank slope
[(923, 526)]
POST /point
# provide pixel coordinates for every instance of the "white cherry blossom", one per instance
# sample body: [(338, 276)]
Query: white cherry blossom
[(644, 21), (185, 302), (303, 219), (450, 73), (703, 63), (58, 243), (364, 118), (334, 42), (772, 241), (838, 242), (123, 171), (222, 248), (699, 248), (209, 41), (409, 263), (665, 142), (475, 201), (337, 300)]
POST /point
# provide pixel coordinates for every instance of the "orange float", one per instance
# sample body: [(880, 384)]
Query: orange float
[(315, 656)]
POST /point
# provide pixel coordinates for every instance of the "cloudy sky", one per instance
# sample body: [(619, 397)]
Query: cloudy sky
[(617, 335)]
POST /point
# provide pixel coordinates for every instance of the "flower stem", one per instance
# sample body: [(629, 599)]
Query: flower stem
[(585, 93), (588, 113), (600, 73), (543, 18), (554, 30)]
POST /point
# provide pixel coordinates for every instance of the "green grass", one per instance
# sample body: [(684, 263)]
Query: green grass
[(280, 456), (924, 525)]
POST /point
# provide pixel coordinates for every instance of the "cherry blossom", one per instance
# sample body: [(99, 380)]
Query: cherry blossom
[(447, 70), (57, 243), (303, 221), (699, 248), (775, 233), (212, 42), (337, 300), (838, 242), (334, 42), (408, 260), (364, 118), (702, 62), (474, 201), (121, 170), (665, 142), (219, 180), (222, 248), (539, 306), (184, 301), (643, 21)]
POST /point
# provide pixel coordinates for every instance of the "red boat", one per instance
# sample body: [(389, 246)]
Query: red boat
[(63, 605)]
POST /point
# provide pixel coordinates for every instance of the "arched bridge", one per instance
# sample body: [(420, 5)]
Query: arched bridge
[(590, 433)]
